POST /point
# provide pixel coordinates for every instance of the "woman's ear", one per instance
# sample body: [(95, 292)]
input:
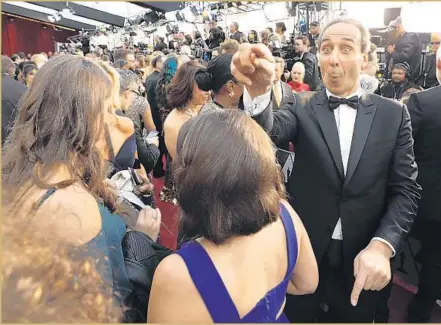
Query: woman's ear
[(230, 86)]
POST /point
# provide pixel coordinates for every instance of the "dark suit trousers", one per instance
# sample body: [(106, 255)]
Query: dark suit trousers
[(429, 288), (331, 302)]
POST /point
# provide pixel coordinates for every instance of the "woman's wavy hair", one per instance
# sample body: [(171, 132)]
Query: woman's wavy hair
[(228, 182), (180, 90), (60, 120)]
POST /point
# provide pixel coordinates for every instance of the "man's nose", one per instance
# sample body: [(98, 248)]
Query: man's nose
[(334, 58)]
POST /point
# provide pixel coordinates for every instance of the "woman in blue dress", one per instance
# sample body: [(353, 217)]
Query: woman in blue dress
[(247, 247)]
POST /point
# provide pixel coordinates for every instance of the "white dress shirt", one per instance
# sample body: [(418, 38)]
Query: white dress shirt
[(345, 119)]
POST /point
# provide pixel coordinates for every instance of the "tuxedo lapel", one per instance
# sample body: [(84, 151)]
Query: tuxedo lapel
[(365, 115), (326, 119)]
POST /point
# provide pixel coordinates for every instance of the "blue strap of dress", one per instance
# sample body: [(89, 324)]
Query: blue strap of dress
[(209, 283), (46, 196), (291, 238)]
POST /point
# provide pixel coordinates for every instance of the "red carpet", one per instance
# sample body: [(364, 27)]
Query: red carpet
[(170, 214)]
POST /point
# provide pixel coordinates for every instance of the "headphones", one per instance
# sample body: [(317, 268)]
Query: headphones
[(405, 66)]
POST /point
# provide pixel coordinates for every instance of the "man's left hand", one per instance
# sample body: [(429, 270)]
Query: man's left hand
[(371, 269)]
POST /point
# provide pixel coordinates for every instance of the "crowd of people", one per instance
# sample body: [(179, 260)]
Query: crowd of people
[(83, 134)]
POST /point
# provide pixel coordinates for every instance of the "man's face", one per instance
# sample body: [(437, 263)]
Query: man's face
[(398, 75), (232, 28), (393, 35), (128, 96), (300, 47), (212, 25), (341, 59), (314, 30), (131, 61), (30, 77), (280, 68), (435, 46)]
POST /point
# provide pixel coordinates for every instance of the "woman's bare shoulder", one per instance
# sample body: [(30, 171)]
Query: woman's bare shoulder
[(125, 124), (174, 297), (71, 213)]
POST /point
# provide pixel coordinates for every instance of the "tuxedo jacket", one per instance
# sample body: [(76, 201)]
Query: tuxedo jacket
[(377, 197), (425, 113)]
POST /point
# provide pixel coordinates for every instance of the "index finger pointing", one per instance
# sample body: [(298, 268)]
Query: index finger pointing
[(358, 287)]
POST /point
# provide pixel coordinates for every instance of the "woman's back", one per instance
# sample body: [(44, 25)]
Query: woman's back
[(243, 280), (230, 192)]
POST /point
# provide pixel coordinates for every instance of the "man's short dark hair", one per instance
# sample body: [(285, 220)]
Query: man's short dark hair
[(235, 25), (22, 55), (314, 24), (304, 39), (121, 54), (15, 57), (281, 25), (365, 43), (28, 68), (8, 66), (237, 195)]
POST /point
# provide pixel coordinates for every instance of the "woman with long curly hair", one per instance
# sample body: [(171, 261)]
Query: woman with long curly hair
[(54, 167)]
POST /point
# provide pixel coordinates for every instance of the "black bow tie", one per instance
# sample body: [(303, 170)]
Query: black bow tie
[(335, 102)]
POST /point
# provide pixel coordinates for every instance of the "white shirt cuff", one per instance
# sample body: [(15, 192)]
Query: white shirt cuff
[(255, 106), (387, 243)]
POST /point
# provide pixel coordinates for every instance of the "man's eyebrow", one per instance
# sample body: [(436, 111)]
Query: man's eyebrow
[(349, 39)]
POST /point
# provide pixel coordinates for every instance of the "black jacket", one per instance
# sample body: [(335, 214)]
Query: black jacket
[(161, 46), (150, 88), (238, 36), (428, 78), (377, 198), (309, 60), (396, 91), (141, 256), (12, 91), (425, 113), (408, 49)]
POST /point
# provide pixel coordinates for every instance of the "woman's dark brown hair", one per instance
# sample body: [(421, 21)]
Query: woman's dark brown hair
[(59, 122), (180, 90), (227, 180)]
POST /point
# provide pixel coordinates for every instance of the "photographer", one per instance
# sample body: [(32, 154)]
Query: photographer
[(309, 60)]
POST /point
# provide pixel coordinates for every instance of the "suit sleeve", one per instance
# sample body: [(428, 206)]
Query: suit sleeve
[(281, 125), (415, 108), (309, 71), (403, 190), (148, 154)]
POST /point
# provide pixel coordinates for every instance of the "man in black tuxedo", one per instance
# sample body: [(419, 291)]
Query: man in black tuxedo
[(425, 113), (354, 178)]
